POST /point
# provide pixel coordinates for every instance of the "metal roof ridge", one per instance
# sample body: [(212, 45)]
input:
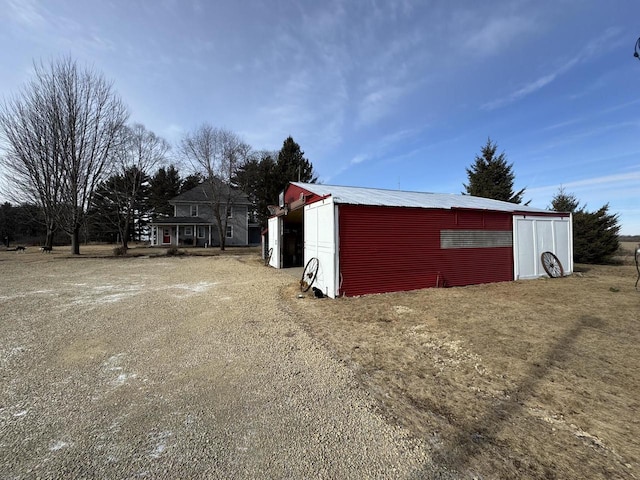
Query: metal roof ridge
[(348, 194), (302, 184)]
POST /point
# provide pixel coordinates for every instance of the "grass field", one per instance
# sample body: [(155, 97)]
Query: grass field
[(527, 379)]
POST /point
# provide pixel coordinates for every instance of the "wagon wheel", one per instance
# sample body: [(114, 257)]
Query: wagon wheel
[(267, 258), (552, 265), (309, 274)]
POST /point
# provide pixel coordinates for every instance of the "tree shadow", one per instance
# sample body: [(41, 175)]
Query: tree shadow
[(457, 452)]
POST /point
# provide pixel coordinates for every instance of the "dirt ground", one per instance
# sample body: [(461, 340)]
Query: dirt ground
[(182, 367), (533, 379), (536, 379)]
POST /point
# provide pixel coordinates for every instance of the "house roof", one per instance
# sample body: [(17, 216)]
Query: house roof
[(399, 198), (201, 194)]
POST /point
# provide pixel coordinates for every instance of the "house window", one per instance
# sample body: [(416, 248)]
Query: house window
[(194, 210), (187, 231), (229, 231), (202, 231), (229, 212)]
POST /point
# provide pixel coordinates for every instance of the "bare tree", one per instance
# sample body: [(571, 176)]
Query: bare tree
[(32, 163), (59, 133), (216, 154), (139, 151)]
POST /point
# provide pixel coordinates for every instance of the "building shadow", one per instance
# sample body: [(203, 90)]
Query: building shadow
[(457, 452)]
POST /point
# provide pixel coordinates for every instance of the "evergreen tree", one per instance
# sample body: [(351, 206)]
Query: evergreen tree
[(564, 202), (259, 180), (191, 181), (8, 223), (163, 186), (595, 234), (264, 176), (292, 166), (119, 206), (491, 176)]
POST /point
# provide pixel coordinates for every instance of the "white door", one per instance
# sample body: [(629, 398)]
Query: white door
[(275, 234), (321, 241), (535, 235)]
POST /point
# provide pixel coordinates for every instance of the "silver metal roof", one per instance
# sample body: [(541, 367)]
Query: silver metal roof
[(399, 198)]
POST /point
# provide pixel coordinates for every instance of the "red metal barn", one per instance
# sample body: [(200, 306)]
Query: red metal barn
[(374, 241)]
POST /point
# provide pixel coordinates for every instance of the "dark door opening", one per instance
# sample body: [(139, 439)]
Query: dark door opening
[(293, 240)]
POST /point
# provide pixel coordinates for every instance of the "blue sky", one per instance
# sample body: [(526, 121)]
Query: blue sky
[(388, 94)]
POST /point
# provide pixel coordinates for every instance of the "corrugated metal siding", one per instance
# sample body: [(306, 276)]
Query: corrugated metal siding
[(385, 249)]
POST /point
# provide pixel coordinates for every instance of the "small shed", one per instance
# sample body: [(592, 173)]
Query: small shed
[(371, 240)]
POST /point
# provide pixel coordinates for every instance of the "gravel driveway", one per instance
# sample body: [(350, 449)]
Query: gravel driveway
[(175, 368)]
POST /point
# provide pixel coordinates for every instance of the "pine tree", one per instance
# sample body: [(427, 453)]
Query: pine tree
[(263, 177), (595, 234), (258, 178), (564, 202), (191, 181), (163, 186), (292, 166), (492, 177)]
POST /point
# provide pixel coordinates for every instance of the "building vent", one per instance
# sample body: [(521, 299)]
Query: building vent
[(475, 238)]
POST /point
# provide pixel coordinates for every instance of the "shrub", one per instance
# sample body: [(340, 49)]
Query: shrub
[(119, 251), (174, 252)]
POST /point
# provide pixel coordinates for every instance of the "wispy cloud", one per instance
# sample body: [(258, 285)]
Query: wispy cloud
[(593, 48), (358, 159), (596, 114), (615, 183), (496, 33), (27, 13), (376, 103), (382, 148)]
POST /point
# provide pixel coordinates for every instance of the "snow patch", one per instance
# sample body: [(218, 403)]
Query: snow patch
[(58, 445), (113, 365), (160, 440), (101, 294), (192, 289)]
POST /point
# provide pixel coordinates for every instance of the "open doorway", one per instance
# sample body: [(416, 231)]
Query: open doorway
[(293, 239)]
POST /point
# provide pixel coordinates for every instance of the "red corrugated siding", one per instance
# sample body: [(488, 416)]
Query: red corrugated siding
[(384, 249)]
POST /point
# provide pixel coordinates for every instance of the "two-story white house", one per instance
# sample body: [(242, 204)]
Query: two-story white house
[(194, 223)]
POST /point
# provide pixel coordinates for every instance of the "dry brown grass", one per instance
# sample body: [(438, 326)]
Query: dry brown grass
[(527, 379), (135, 250)]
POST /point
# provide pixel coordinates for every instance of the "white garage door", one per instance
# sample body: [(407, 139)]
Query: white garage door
[(320, 241), (534, 235)]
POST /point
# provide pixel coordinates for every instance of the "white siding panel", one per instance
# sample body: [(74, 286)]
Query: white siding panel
[(275, 232), (524, 244), (564, 243), (320, 237)]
